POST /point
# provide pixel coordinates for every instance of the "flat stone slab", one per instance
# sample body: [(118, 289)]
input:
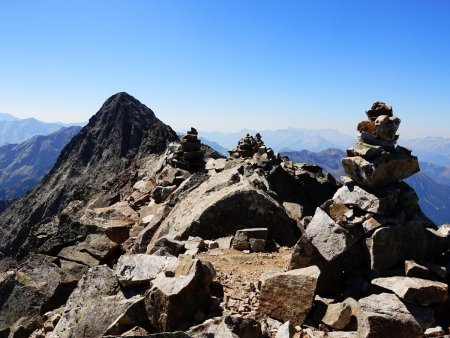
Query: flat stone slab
[(414, 290)]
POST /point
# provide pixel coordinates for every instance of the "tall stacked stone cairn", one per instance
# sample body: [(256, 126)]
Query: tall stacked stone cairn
[(187, 155), (376, 160), (376, 251)]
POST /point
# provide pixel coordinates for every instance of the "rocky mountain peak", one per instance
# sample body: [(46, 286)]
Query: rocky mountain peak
[(122, 132)]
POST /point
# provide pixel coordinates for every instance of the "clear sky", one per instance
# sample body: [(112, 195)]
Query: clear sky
[(230, 64)]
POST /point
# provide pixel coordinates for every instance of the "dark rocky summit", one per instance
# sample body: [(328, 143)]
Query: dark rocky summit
[(138, 233), (122, 132)]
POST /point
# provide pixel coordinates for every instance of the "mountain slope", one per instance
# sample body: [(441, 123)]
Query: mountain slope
[(440, 174), (23, 165), (120, 133), (434, 198)]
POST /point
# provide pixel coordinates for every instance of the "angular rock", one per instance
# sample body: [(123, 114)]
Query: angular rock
[(382, 171), (414, 290), (337, 315), (394, 244), (144, 187), (378, 109), (413, 269), (194, 243), (286, 330), (132, 270), (38, 286), (238, 327), (305, 254), (384, 315), (387, 127), (288, 296), (330, 239), (257, 245), (94, 250), (294, 210), (383, 202), (173, 301), (151, 228), (97, 299), (243, 237)]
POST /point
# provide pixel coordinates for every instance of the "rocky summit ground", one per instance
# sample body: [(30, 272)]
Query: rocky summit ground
[(138, 233)]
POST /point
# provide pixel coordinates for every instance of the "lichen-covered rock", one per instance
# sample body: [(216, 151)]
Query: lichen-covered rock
[(97, 299), (173, 301), (330, 239), (288, 296), (133, 270)]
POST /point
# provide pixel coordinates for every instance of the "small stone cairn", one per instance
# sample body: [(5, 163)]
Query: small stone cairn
[(376, 160), (253, 148), (188, 154)]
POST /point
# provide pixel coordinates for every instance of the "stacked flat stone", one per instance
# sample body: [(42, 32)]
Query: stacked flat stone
[(188, 154), (376, 160)]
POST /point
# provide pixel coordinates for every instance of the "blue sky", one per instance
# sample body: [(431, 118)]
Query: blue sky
[(227, 65)]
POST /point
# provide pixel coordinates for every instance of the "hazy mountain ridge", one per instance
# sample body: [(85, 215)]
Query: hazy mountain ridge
[(289, 138), (431, 149), (14, 130), (23, 165)]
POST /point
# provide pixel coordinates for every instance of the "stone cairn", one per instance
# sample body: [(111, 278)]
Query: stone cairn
[(188, 154), (376, 160), (376, 251), (253, 148)]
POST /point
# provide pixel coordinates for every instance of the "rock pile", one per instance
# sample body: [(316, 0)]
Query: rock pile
[(253, 246), (372, 237), (376, 160), (188, 154), (253, 148)]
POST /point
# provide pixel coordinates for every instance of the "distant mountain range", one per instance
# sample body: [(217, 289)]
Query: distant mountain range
[(14, 130), (23, 165), (431, 149), (286, 139)]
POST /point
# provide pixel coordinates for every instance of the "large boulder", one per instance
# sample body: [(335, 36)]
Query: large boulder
[(330, 239), (173, 301), (414, 290), (394, 244), (97, 299), (229, 201), (288, 296), (35, 288), (384, 315)]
